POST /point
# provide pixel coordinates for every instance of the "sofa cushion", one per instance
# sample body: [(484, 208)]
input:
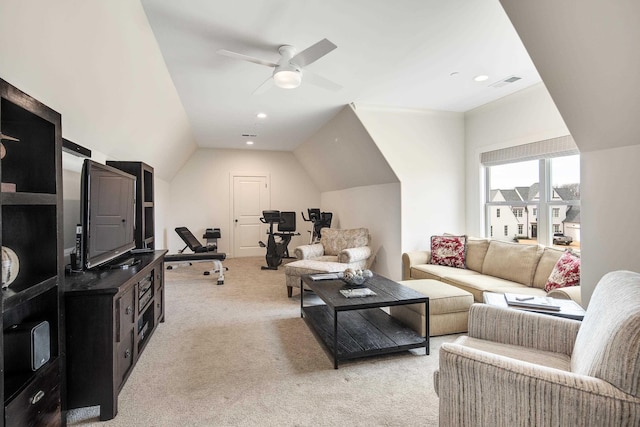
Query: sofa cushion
[(565, 273), (476, 251), (335, 240), (437, 272), (479, 283), (548, 260), (511, 261), (449, 250)]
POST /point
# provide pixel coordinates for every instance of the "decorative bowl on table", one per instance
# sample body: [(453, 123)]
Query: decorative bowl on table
[(356, 277)]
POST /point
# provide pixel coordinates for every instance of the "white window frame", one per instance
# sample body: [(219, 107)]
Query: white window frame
[(543, 151)]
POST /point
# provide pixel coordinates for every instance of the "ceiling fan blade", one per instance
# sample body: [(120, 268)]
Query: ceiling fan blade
[(320, 81), (265, 86), (313, 53), (242, 57)]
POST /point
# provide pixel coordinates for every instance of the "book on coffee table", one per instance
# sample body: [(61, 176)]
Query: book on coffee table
[(357, 292), (529, 301)]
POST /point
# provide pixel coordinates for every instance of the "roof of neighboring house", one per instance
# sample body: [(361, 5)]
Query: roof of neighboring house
[(573, 214), (511, 195), (565, 193)]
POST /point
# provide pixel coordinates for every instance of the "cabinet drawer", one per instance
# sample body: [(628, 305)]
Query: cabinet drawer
[(124, 356), (126, 312), (160, 305), (39, 403)]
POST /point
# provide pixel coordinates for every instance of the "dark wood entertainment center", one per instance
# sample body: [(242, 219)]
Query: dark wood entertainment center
[(111, 314), (68, 341)]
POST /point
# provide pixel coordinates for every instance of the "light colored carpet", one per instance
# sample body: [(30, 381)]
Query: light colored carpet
[(239, 354)]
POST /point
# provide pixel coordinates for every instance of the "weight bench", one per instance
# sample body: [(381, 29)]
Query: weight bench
[(200, 254)]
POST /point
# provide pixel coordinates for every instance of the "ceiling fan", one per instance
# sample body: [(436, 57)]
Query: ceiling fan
[(287, 72)]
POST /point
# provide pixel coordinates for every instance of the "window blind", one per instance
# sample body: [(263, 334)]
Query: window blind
[(554, 147)]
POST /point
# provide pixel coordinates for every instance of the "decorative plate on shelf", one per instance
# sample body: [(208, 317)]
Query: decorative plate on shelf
[(10, 266)]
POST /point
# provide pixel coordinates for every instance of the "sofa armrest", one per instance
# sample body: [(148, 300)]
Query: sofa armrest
[(309, 251), (570, 292), (410, 259), (523, 328), (480, 388), (354, 254)]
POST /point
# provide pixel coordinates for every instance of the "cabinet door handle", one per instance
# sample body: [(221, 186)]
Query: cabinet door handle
[(127, 353), (37, 397), (128, 310)]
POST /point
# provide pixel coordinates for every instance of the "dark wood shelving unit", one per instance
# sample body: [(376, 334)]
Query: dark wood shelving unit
[(31, 226), (145, 218)]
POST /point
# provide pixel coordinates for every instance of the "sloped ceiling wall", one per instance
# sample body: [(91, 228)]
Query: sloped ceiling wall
[(98, 64), (342, 155), (587, 55)]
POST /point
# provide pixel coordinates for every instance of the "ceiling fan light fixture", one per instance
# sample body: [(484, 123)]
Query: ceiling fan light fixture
[(287, 79)]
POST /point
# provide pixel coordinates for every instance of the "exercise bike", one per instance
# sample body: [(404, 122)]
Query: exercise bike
[(277, 250), (320, 220)]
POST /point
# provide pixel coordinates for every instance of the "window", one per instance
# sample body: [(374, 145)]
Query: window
[(540, 185)]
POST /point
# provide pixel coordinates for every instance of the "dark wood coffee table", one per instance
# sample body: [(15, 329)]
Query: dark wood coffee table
[(357, 327)]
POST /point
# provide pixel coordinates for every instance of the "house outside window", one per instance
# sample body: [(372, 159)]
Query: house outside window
[(542, 195)]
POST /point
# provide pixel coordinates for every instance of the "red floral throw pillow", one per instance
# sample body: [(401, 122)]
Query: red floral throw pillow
[(449, 250), (565, 273)]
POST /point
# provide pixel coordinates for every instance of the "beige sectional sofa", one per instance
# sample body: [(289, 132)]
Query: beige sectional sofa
[(494, 266)]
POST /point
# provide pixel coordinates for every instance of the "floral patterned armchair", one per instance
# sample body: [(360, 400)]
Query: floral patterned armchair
[(336, 245), (338, 250)]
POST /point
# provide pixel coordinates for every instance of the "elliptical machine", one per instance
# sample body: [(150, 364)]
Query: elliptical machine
[(320, 220), (277, 250)]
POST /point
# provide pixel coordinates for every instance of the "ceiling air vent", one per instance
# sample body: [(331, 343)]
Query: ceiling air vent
[(250, 135), (506, 81)]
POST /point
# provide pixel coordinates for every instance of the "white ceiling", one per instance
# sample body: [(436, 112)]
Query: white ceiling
[(398, 53)]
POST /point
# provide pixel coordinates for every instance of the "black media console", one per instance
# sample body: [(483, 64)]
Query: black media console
[(111, 314)]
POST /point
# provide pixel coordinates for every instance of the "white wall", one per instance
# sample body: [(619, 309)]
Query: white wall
[(199, 195), (98, 64), (609, 214), (425, 149), (376, 207), (342, 155), (526, 116)]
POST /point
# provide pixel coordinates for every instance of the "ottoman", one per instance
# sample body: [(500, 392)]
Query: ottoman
[(295, 269), (448, 308)]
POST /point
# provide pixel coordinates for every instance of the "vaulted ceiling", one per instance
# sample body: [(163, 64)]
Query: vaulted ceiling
[(418, 54)]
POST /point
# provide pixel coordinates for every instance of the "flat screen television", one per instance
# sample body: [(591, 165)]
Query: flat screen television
[(107, 200)]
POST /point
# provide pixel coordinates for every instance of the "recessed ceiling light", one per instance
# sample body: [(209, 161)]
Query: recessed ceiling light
[(261, 115), (481, 78), (249, 142)]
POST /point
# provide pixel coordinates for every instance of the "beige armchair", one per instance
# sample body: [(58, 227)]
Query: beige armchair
[(528, 369), (338, 250)]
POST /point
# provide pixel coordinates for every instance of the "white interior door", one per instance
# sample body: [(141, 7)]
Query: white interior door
[(250, 197)]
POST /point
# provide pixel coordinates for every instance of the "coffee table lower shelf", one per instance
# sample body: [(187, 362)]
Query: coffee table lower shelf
[(361, 333)]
